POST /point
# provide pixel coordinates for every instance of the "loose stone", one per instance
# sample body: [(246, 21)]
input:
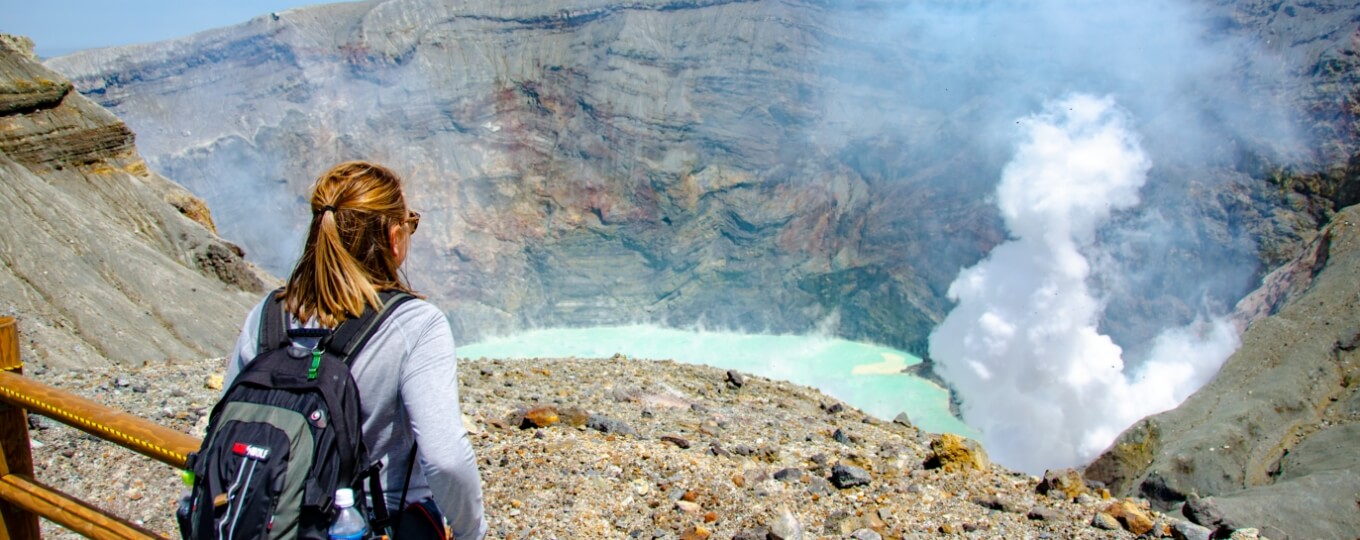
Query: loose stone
[(39, 422), (847, 476), (624, 394), (574, 416), (677, 441), (785, 527), (759, 533), (1044, 513), (1185, 530), (605, 424), (997, 503), (837, 523), (954, 453), (1133, 518), (866, 534), (1062, 484), (1205, 512), (540, 417), (1105, 521)]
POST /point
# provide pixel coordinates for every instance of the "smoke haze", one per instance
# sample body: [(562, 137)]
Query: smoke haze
[(1176, 66), (1022, 347), (776, 165), (1040, 345)]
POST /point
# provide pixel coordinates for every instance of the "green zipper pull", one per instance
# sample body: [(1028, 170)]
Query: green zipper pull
[(316, 363)]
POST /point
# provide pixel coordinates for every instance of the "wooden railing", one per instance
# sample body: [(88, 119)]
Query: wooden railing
[(22, 498)]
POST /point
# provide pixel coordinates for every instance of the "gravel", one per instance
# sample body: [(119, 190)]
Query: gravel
[(622, 473)]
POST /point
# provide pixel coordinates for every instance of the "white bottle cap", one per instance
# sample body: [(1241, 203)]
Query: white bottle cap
[(344, 497)]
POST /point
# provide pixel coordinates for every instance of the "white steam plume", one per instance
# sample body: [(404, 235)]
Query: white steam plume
[(1022, 346)]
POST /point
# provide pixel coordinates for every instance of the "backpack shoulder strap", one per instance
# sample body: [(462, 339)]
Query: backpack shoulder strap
[(273, 324), (353, 334), (346, 340)]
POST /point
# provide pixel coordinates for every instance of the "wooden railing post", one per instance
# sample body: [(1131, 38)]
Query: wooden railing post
[(19, 524)]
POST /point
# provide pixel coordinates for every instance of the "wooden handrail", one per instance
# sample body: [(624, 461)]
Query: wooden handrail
[(143, 436), (22, 498), (67, 511), (19, 523)]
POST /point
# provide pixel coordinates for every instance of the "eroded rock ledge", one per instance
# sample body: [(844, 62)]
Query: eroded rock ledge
[(1272, 440), (103, 260)]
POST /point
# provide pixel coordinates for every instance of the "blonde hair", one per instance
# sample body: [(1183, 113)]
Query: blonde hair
[(348, 256)]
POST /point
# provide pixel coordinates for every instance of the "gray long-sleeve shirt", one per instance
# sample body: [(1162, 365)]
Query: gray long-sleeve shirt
[(408, 383)]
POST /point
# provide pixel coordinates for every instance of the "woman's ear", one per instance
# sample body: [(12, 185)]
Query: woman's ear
[(394, 242)]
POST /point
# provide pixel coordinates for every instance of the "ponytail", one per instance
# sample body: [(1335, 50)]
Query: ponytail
[(348, 255)]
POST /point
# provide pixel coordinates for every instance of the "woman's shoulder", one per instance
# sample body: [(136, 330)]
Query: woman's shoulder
[(418, 321), (419, 310)]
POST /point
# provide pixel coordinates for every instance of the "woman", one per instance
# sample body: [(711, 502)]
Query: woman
[(407, 373)]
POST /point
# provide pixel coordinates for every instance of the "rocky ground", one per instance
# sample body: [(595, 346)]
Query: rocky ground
[(644, 449)]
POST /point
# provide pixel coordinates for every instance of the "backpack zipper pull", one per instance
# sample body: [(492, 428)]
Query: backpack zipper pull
[(316, 363)]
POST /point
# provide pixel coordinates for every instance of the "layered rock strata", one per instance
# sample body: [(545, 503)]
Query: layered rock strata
[(104, 261), (752, 165)]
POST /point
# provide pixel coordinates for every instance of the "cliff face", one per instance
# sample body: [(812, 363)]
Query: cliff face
[(747, 164), (684, 161), (1270, 441), (104, 261), (1272, 438)]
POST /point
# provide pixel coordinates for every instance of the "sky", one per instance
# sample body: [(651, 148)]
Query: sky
[(60, 27)]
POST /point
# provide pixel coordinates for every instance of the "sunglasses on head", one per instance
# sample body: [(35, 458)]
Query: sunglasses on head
[(413, 218)]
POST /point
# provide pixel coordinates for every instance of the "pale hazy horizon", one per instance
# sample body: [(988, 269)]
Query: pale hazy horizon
[(59, 27)]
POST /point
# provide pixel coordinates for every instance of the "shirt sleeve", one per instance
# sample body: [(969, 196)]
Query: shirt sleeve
[(245, 348), (429, 390)]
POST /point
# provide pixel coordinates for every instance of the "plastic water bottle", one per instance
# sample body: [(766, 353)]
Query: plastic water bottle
[(350, 525)]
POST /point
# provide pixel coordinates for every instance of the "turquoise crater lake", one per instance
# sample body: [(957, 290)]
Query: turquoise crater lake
[(866, 376)]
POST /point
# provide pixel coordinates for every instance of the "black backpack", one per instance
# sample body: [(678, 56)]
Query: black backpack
[(285, 435)]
